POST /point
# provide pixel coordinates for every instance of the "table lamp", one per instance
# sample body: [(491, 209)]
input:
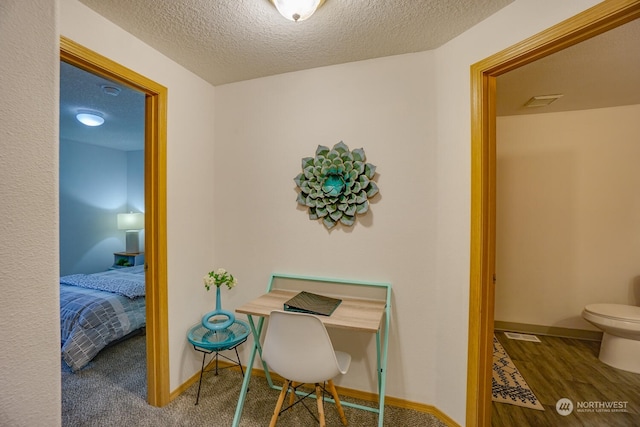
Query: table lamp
[(132, 223)]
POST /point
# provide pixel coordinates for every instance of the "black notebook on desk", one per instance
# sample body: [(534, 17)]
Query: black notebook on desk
[(307, 302)]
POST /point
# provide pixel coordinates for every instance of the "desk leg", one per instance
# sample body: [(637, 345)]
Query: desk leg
[(252, 357), (382, 378)]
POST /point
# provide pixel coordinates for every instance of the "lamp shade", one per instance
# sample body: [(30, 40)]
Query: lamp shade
[(130, 221), (297, 10)]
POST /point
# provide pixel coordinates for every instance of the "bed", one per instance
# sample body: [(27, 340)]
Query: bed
[(99, 309)]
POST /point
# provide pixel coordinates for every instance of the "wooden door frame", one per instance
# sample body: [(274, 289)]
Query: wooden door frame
[(596, 20), (155, 184)]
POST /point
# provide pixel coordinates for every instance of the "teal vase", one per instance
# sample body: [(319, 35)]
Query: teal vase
[(218, 319)]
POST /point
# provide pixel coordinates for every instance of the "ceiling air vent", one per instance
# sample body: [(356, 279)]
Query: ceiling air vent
[(542, 100)]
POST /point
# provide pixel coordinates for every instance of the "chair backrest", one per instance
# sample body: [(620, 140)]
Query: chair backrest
[(297, 346)]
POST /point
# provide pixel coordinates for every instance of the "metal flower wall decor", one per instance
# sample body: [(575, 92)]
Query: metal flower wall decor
[(336, 184)]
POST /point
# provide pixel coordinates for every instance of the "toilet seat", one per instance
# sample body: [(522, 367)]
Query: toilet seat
[(620, 312)]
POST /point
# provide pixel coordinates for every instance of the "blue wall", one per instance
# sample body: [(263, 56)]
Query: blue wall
[(96, 184)]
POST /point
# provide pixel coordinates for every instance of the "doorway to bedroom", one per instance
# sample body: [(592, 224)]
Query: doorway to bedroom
[(141, 171)]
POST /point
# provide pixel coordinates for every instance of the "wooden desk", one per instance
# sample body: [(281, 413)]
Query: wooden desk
[(352, 313), (356, 314)]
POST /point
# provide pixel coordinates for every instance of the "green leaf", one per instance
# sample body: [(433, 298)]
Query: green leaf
[(335, 215), (312, 214), (348, 220), (308, 172), (346, 156), (358, 167), (372, 190), (351, 210), (299, 178), (364, 181), (301, 199), (341, 147), (363, 207), (322, 150), (362, 197), (306, 162), (321, 212), (328, 223), (369, 170), (331, 208), (358, 154)]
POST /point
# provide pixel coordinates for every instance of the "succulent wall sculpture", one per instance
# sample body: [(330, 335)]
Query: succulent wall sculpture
[(336, 184)]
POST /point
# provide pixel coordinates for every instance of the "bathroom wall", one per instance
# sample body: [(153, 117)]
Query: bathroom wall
[(568, 214)]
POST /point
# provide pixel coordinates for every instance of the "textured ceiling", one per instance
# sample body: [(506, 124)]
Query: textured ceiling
[(225, 41), (123, 127)]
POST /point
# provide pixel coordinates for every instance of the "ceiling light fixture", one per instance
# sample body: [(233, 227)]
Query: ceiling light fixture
[(297, 10), (542, 100), (90, 118)]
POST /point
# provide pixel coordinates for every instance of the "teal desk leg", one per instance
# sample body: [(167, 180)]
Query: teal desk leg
[(247, 377)]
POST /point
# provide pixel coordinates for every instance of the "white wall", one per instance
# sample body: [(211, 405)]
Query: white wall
[(265, 127), (189, 170), (429, 124), (568, 229), (29, 317), (516, 22)]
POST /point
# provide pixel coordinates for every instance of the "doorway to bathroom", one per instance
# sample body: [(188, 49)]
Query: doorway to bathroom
[(597, 20)]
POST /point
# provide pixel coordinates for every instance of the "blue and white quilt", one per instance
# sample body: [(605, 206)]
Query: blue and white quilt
[(97, 309)]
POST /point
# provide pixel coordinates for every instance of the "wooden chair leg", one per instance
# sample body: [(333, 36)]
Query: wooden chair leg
[(292, 395), (320, 401), (334, 393), (276, 412)]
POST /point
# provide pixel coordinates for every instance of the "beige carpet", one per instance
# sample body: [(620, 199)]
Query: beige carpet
[(111, 391), (508, 385)]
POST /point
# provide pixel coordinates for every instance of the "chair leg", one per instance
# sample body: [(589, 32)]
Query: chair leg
[(276, 412), (334, 393), (320, 401), (292, 395)]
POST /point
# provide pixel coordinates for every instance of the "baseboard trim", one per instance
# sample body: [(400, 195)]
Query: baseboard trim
[(552, 331), (356, 394)]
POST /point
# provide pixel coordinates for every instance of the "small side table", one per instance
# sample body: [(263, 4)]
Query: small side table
[(127, 259), (209, 341)]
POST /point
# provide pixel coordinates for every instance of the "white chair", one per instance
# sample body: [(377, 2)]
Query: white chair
[(298, 348)]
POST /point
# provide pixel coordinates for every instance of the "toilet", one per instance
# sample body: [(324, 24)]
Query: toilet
[(620, 323)]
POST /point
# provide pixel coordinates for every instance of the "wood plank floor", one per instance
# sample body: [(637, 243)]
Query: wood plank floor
[(569, 368)]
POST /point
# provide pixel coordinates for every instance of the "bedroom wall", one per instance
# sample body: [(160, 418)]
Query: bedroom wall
[(96, 183), (29, 326), (568, 229)]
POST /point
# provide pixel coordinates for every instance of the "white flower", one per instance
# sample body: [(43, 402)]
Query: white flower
[(218, 278)]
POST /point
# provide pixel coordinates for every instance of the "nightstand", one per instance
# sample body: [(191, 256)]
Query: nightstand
[(127, 259)]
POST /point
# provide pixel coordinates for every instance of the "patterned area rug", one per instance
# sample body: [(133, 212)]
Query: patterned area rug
[(508, 385)]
